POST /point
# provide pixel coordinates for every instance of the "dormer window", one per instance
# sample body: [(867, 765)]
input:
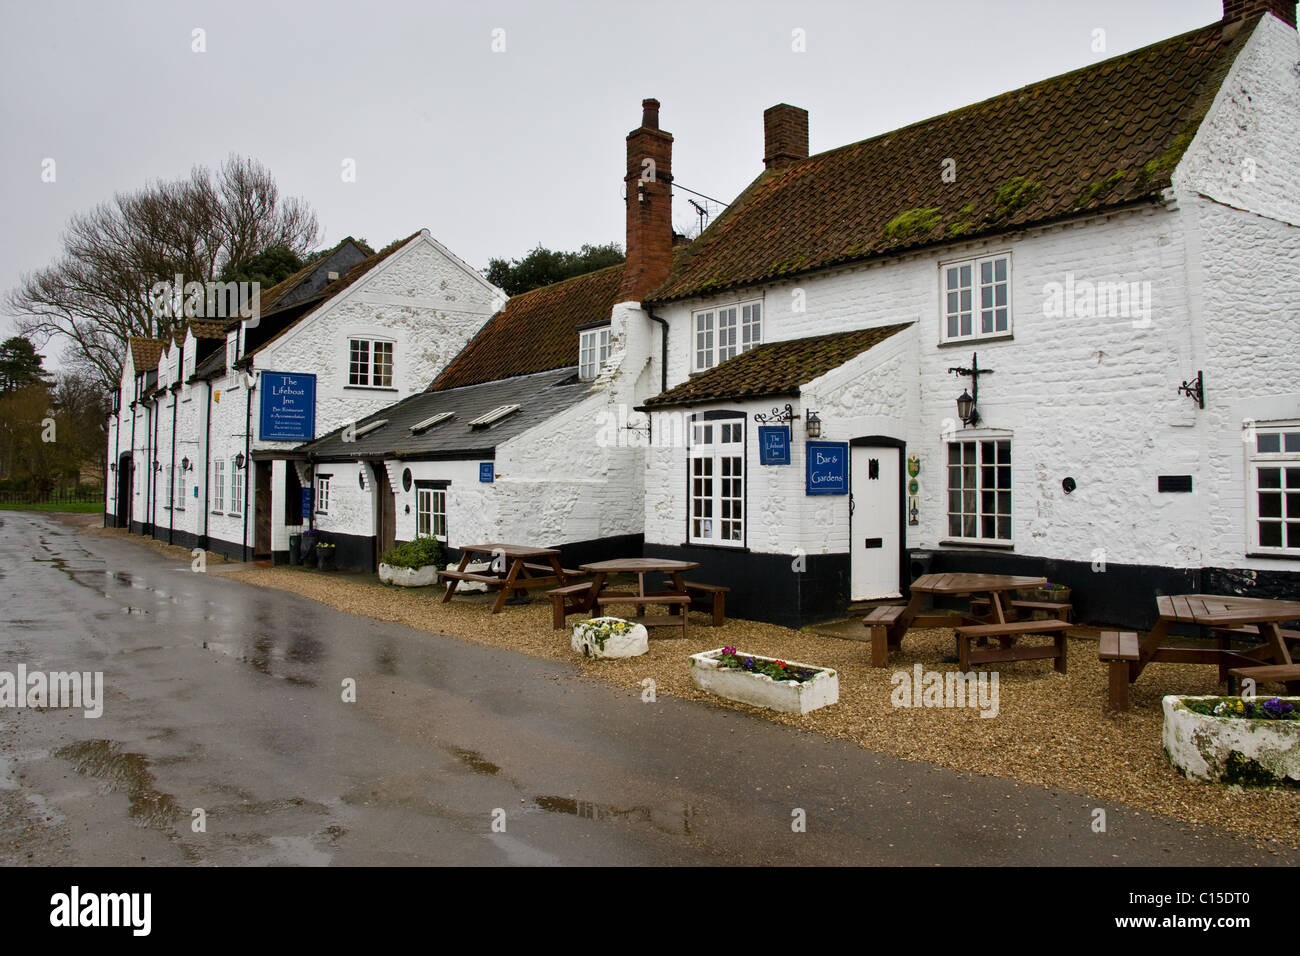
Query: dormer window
[(726, 332), (593, 352)]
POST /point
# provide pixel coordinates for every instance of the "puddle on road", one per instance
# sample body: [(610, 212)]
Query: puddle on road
[(263, 657), (674, 818), (124, 771), (475, 761)]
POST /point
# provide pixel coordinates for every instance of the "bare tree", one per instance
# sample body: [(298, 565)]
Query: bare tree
[(97, 294)]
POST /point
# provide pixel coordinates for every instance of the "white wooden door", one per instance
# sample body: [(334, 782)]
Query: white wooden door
[(874, 548)]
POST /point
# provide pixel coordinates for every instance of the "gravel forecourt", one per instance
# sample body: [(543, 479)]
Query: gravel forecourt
[(1050, 730)]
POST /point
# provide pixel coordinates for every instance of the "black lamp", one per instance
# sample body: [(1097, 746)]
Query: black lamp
[(185, 463), (966, 408), (239, 461), (813, 425)]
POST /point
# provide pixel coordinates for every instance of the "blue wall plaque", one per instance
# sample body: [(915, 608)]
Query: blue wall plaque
[(306, 503), (827, 468), (774, 444), (288, 407), (485, 471)]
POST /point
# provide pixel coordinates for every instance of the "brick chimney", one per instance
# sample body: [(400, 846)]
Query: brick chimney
[(1284, 10), (785, 136), (649, 206)]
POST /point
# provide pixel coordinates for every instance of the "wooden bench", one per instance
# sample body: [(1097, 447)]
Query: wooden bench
[(675, 618), (1116, 650), (1006, 633), (491, 580), (879, 620), (981, 607), (568, 600), (1285, 674), (709, 598)]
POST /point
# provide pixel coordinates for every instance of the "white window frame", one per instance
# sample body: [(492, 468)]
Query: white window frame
[(322, 503), (180, 488), (1287, 463), (236, 490), (218, 486), (724, 332), (715, 504), (974, 501), (171, 489), (431, 521), (365, 373), (976, 304), (593, 352)]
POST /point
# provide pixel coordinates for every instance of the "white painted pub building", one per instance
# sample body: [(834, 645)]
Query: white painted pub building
[(1052, 332)]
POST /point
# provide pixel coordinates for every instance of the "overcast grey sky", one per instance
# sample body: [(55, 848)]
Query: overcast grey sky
[(493, 152)]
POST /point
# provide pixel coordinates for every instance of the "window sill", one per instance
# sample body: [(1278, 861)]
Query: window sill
[(714, 546), (1293, 556), (977, 339), (216, 512), (371, 388), (974, 543)]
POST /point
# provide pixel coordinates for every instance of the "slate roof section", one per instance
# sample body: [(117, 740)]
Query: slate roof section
[(1104, 136), (540, 396), (776, 368), (536, 331), (146, 352)]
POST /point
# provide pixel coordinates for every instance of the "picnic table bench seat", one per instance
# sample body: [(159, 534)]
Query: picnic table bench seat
[(1005, 633), (981, 607), (709, 598), (491, 580), (1115, 650), (1286, 674), (571, 599), (676, 602), (879, 619)]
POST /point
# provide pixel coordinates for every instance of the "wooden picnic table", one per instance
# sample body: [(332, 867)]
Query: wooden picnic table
[(889, 625), (676, 597), (1224, 614), (510, 570)]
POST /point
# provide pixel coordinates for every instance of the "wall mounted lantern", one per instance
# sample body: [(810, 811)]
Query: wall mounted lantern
[(813, 424), (157, 465), (1194, 390), (185, 463), (112, 466), (968, 402), (239, 461)]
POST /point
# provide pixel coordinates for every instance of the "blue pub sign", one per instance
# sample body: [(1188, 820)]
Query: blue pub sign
[(827, 468), (288, 407), (774, 444), (485, 471)]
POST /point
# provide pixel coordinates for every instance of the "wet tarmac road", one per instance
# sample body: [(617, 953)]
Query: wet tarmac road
[(226, 698)]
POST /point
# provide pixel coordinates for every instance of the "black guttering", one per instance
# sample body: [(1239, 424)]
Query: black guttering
[(207, 464), (171, 523), (663, 361)]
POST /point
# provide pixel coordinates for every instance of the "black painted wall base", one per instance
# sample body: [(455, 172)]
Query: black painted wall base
[(769, 587), (1124, 594)]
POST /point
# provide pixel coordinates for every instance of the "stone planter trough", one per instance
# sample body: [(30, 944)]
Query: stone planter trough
[(408, 577), (1230, 749), (760, 690), (632, 644)]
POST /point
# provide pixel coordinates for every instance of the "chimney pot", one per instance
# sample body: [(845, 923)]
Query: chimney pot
[(650, 114), (1284, 10), (785, 136)]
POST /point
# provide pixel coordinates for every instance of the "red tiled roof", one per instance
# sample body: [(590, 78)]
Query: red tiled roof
[(537, 331), (146, 352), (777, 368), (1102, 136)]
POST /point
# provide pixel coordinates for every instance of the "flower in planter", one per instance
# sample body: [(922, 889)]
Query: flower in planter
[(1277, 708)]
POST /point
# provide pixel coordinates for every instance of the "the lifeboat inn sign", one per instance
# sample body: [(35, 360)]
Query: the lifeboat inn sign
[(288, 407)]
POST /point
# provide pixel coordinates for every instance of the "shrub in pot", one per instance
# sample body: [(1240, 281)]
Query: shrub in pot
[(411, 564)]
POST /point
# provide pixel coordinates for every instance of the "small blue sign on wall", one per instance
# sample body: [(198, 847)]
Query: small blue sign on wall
[(774, 444), (827, 468), (306, 502), (288, 407), (486, 471)]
